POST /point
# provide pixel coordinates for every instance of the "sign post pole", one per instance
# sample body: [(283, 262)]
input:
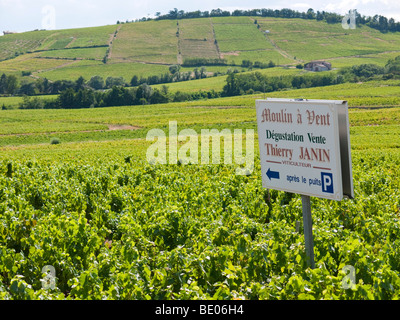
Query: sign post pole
[(308, 235)]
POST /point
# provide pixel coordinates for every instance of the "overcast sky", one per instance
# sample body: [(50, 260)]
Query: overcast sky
[(25, 15)]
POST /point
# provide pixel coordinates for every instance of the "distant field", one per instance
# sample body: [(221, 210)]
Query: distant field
[(217, 83), (376, 58), (197, 39), (208, 84), (232, 20), (310, 40), (88, 69), (239, 39), (15, 44), (372, 93), (376, 102), (265, 56), (82, 53), (150, 41), (81, 38), (30, 62), (15, 101), (54, 39)]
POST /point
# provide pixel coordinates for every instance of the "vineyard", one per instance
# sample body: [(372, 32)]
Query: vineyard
[(121, 231), (116, 227), (79, 199)]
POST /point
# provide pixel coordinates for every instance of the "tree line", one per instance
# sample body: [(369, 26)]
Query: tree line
[(378, 22), (10, 85)]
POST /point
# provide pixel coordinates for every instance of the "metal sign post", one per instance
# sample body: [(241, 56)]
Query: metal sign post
[(308, 235)]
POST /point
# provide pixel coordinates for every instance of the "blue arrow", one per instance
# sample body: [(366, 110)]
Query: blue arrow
[(272, 174)]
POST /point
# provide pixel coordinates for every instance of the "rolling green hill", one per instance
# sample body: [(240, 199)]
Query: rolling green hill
[(148, 47)]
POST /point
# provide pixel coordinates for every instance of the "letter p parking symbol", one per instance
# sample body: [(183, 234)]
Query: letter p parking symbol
[(327, 182)]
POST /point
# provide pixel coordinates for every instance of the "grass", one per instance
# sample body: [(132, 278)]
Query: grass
[(150, 41), (208, 84), (310, 39), (88, 69), (78, 38), (30, 62), (231, 20), (148, 48), (15, 101), (236, 57), (196, 39), (372, 93), (22, 43), (217, 83), (240, 37), (376, 58), (82, 53)]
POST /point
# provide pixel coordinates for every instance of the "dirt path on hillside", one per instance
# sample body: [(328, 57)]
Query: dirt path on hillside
[(179, 57), (277, 48), (111, 40), (215, 40), (281, 51)]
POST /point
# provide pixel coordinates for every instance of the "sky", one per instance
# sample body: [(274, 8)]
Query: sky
[(26, 15)]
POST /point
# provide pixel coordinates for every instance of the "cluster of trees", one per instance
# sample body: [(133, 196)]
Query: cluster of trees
[(393, 66), (10, 85), (257, 64), (180, 14), (362, 72), (239, 84), (198, 62), (86, 97), (378, 22), (366, 72)]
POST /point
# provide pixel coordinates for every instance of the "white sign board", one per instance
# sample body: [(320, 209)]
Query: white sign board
[(305, 147)]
